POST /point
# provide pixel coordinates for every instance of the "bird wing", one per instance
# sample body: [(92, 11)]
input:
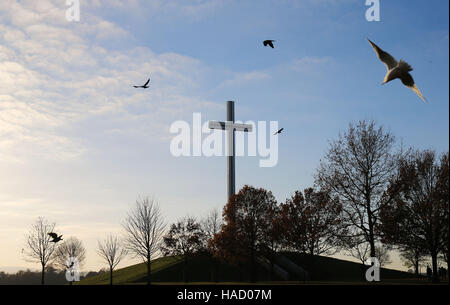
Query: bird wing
[(385, 57), (53, 235), (408, 81), (279, 131), (417, 91), (147, 82)]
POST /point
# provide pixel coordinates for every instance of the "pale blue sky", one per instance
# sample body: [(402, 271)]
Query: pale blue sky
[(78, 144)]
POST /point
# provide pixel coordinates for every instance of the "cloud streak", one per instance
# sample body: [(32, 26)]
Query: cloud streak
[(56, 75)]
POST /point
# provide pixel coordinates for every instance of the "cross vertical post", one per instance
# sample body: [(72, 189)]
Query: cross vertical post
[(230, 126), (231, 152)]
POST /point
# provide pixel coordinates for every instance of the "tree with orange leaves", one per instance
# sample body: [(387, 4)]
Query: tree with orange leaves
[(245, 232)]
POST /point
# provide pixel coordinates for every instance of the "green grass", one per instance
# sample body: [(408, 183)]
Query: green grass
[(131, 274), (204, 271)]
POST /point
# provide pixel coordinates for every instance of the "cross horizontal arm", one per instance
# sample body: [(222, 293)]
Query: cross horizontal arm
[(230, 125)]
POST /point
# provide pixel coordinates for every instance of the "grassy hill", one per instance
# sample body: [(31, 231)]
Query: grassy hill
[(202, 269), (132, 274), (328, 269)]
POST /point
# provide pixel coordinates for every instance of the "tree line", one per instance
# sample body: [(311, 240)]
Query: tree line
[(53, 276), (370, 196)]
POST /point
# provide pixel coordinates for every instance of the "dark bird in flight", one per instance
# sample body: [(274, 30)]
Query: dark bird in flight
[(279, 131), (145, 86), (396, 69), (269, 43), (55, 237)]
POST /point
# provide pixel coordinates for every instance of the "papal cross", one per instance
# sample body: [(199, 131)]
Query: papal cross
[(230, 126)]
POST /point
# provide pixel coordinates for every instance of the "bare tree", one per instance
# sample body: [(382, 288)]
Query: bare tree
[(413, 257), (382, 254), (112, 251), (313, 222), (38, 245), (144, 228), (211, 224), (418, 213), (69, 255), (357, 169), (360, 251)]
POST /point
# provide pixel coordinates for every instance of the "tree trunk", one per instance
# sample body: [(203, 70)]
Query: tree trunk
[(416, 268), (371, 235), (43, 275), (435, 268), (149, 271), (110, 275), (272, 258)]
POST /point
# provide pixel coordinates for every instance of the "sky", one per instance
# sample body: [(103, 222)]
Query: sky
[(78, 144)]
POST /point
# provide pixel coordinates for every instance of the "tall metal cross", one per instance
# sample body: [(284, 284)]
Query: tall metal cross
[(230, 127)]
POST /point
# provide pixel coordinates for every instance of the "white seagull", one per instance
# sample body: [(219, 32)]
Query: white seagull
[(396, 69)]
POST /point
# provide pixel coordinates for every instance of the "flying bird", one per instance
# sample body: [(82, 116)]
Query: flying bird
[(396, 69), (55, 237), (279, 131), (269, 43), (144, 86)]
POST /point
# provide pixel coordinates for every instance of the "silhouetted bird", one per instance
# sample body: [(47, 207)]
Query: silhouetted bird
[(396, 69), (55, 237), (279, 131), (145, 86), (269, 43)]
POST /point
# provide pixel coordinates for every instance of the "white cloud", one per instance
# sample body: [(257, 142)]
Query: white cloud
[(55, 75)]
